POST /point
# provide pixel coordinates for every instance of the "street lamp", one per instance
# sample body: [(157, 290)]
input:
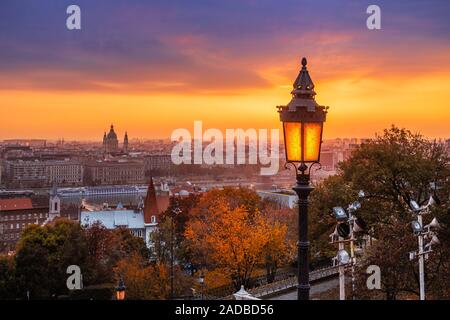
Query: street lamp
[(348, 225), (202, 284), (175, 211), (120, 290), (303, 121), (423, 232)]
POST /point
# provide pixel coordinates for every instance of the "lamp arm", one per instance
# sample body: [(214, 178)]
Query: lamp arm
[(302, 167)]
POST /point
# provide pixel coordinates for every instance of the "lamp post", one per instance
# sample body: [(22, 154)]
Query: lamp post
[(344, 232), (174, 212), (120, 290), (303, 121), (423, 232), (202, 284)]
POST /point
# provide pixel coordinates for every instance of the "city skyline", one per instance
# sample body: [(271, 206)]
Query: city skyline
[(71, 84)]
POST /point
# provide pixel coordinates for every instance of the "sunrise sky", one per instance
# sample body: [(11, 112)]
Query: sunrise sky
[(151, 66)]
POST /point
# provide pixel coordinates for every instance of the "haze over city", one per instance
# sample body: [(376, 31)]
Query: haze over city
[(152, 67)]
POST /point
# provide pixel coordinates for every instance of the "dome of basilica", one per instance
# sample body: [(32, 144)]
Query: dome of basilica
[(112, 135)]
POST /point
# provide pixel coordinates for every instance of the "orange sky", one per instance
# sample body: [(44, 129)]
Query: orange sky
[(358, 108), (169, 65)]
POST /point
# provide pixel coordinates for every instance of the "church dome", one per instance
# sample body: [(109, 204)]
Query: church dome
[(112, 135)]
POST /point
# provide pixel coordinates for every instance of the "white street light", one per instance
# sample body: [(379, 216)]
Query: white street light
[(414, 205), (423, 232), (347, 225), (434, 200), (340, 213), (343, 257), (433, 224), (416, 227)]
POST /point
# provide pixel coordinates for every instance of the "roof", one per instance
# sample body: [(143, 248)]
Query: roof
[(15, 204), (303, 84), (154, 205), (112, 219), (112, 135)]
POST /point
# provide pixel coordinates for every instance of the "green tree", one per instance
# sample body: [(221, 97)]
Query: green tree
[(392, 169), (8, 286), (43, 255)]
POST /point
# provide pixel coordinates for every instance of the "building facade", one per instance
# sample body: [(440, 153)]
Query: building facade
[(65, 173), (114, 172), (16, 213), (158, 163), (24, 173)]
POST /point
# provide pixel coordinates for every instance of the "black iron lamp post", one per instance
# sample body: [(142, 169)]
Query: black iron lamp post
[(303, 121), (176, 211), (202, 284)]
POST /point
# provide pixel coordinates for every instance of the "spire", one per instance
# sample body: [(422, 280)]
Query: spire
[(150, 204), (54, 191), (303, 85), (125, 143)]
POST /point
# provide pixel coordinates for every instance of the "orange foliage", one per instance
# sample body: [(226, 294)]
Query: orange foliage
[(236, 238), (143, 282)]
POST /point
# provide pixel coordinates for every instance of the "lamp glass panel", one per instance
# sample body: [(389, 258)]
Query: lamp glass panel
[(293, 141), (312, 132)]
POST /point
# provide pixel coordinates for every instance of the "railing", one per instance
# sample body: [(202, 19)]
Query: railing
[(291, 282), (284, 280), (224, 291)]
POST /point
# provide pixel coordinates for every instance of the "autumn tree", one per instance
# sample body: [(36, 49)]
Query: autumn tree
[(171, 228), (143, 281), (100, 262), (280, 249), (228, 231)]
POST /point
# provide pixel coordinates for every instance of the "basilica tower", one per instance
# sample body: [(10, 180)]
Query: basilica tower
[(110, 142), (125, 143)]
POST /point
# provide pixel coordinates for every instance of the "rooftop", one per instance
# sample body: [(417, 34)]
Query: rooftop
[(112, 219), (15, 204)]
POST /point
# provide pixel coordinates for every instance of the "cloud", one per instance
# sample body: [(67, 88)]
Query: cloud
[(212, 47)]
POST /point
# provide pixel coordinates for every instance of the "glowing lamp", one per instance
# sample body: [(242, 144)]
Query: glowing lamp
[(302, 121), (120, 290)]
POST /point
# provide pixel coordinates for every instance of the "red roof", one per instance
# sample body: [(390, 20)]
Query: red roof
[(15, 204), (154, 204)]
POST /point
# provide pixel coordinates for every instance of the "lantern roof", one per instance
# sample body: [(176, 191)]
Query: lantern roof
[(303, 84), (303, 104), (303, 93)]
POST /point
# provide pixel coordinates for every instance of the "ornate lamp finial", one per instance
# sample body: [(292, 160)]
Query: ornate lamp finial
[(304, 62)]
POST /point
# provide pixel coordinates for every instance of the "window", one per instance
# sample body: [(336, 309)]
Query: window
[(153, 219)]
